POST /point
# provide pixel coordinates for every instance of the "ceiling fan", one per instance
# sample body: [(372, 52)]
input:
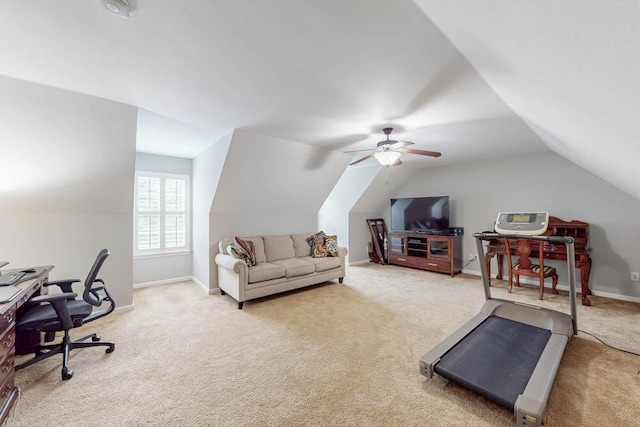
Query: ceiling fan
[(388, 151)]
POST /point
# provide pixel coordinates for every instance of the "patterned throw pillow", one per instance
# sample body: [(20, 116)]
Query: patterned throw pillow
[(319, 251), (315, 238), (247, 247), (331, 245), (235, 252)]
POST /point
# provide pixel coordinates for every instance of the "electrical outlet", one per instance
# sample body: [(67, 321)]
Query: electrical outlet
[(473, 257), (635, 276)]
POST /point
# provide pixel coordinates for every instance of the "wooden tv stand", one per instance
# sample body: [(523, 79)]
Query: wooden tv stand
[(442, 254)]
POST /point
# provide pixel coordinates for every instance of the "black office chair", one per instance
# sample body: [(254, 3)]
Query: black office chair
[(62, 312)]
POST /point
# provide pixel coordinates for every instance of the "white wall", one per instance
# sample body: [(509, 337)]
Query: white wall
[(66, 190), (162, 268), (543, 182), (374, 203), (207, 169), (333, 217), (163, 164)]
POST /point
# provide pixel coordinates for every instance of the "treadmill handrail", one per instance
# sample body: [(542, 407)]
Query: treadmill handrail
[(568, 241), (550, 239)]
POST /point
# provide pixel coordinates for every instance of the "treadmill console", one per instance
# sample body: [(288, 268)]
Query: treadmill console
[(522, 223)]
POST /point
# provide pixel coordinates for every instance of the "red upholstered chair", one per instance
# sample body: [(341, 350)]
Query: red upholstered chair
[(522, 265)]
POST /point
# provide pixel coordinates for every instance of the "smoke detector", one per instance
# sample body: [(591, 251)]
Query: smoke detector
[(117, 7)]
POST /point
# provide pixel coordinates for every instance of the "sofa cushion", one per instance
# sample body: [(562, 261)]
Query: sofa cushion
[(316, 238), (300, 244), (319, 251), (265, 271), (278, 247), (295, 267), (324, 264), (235, 252), (247, 248), (331, 245), (258, 244)]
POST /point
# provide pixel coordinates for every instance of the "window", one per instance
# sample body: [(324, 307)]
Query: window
[(161, 222)]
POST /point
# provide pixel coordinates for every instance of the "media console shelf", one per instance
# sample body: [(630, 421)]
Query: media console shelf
[(442, 254)]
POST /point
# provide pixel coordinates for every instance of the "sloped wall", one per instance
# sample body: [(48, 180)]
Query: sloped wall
[(334, 218), (373, 202), (272, 186), (207, 170), (66, 190)]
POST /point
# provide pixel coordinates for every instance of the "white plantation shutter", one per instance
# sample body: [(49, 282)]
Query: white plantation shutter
[(161, 222), (148, 205), (175, 197)]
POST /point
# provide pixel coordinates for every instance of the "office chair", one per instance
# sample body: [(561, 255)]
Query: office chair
[(524, 267), (63, 312)]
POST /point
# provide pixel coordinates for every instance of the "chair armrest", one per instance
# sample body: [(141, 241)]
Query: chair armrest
[(230, 263), (53, 297), (63, 284)]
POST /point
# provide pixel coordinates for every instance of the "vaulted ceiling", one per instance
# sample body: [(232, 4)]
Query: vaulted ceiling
[(470, 79)]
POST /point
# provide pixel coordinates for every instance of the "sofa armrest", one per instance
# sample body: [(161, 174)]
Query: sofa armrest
[(231, 263)]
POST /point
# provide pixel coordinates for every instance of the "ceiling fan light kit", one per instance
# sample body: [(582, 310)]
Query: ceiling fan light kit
[(387, 158)]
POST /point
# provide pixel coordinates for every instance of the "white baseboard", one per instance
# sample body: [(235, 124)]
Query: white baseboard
[(202, 286), (613, 296), (534, 282), (364, 261), (176, 280), (124, 308), (163, 282)]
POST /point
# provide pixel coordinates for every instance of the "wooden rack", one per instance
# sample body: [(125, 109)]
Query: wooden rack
[(378, 231)]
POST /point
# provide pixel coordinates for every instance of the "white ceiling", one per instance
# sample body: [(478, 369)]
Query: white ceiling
[(570, 69), (333, 73)]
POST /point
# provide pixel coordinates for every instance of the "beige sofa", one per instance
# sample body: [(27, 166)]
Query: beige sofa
[(284, 263)]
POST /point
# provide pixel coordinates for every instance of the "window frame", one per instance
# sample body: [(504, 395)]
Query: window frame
[(162, 250)]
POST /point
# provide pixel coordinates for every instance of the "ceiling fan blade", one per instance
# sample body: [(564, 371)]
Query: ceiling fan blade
[(362, 159), (357, 151), (421, 152), (399, 144)]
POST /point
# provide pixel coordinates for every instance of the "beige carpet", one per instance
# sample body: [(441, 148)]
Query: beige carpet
[(329, 355)]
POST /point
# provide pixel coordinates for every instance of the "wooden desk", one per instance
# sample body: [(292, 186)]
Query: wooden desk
[(8, 313), (577, 229)]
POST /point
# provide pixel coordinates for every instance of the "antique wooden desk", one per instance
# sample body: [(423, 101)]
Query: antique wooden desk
[(577, 229), (8, 313)]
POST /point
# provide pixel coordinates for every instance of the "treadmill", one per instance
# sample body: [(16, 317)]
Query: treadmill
[(510, 351)]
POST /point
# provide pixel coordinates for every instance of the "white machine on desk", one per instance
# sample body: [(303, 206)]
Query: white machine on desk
[(522, 224), (480, 354)]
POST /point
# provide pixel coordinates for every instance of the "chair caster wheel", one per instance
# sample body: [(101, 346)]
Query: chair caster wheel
[(95, 338), (67, 373), (111, 348)]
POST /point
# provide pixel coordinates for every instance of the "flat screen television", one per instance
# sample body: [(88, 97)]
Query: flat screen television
[(422, 214)]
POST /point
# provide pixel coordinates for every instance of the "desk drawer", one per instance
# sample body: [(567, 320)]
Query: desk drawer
[(7, 318), (6, 392), (7, 342), (7, 365)]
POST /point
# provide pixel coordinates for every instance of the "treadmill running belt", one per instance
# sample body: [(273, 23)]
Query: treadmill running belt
[(496, 359)]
